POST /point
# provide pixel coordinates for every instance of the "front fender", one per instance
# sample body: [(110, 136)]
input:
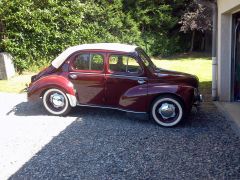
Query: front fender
[(184, 92), (37, 88)]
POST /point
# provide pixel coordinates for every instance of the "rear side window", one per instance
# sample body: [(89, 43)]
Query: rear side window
[(89, 61), (124, 64)]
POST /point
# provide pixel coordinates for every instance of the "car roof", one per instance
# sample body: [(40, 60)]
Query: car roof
[(57, 62)]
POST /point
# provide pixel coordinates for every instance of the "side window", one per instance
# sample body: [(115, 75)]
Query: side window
[(96, 62), (124, 64), (82, 62), (89, 61)]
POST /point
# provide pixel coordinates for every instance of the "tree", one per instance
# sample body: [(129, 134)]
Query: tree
[(35, 32), (157, 21), (196, 18)]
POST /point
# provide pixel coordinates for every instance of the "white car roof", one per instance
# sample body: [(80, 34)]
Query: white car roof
[(57, 62)]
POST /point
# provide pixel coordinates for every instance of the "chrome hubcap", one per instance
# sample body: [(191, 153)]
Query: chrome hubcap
[(57, 100), (167, 111)]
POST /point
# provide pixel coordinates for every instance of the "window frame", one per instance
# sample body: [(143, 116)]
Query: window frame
[(124, 73), (73, 59)]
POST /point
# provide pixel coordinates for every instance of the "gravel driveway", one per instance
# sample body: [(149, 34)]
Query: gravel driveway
[(105, 144)]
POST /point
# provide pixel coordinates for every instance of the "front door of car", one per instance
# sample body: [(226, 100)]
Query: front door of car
[(87, 75), (126, 84)]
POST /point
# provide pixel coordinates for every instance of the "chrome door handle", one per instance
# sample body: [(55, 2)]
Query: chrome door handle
[(141, 81), (73, 76)]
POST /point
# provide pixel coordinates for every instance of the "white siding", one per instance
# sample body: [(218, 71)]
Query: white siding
[(225, 10)]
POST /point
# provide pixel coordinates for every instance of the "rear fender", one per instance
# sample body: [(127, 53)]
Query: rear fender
[(37, 88)]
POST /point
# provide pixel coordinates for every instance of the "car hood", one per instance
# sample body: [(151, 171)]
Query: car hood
[(178, 77)]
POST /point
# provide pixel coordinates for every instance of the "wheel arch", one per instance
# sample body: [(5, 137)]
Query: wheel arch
[(38, 88), (157, 96), (51, 87), (71, 98)]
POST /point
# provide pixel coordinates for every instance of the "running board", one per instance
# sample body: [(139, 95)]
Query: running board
[(108, 107)]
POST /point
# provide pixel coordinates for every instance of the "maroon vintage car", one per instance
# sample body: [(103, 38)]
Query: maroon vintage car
[(116, 76)]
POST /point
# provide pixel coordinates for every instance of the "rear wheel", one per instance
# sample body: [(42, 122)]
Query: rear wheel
[(56, 102), (167, 111)]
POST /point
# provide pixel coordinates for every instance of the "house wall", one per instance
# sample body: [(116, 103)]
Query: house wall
[(226, 8)]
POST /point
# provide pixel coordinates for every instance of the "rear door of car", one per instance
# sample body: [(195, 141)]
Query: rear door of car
[(87, 74), (126, 83)]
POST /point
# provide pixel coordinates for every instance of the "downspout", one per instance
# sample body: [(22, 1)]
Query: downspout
[(214, 51), (213, 6)]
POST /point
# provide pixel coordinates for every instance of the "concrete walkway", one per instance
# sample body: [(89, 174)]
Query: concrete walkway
[(232, 111)]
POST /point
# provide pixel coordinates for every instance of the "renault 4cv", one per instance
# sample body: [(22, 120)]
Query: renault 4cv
[(116, 76)]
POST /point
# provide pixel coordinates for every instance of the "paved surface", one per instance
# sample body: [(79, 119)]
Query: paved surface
[(232, 111), (106, 144), (24, 130)]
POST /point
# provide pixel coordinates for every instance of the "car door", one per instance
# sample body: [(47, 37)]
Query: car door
[(87, 75), (126, 83)]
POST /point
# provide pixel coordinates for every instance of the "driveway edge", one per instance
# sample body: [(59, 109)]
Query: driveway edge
[(232, 118)]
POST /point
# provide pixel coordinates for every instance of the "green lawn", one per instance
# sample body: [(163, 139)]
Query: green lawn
[(198, 64), (16, 84)]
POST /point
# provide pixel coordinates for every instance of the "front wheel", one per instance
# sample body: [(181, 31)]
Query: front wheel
[(56, 102), (167, 111)]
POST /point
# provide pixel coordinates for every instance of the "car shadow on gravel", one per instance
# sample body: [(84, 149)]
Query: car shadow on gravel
[(37, 109), (108, 144), (27, 109)]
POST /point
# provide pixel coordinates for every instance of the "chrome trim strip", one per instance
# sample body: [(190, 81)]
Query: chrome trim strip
[(72, 100), (119, 75), (87, 73), (109, 75), (108, 107)]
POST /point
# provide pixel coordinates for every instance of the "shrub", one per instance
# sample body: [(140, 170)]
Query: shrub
[(37, 31)]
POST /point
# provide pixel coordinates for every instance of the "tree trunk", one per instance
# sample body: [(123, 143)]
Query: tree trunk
[(203, 42), (192, 41), (1, 30)]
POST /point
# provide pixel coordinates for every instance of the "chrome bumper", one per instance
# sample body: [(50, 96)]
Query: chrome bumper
[(198, 99)]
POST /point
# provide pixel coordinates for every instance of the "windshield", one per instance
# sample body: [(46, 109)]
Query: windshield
[(147, 61)]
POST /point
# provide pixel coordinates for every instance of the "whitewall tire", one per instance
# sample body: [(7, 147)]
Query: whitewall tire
[(56, 102), (167, 111)]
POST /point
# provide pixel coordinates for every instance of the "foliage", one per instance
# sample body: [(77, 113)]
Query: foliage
[(158, 21), (35, 32), (198, 20), (197, 17)]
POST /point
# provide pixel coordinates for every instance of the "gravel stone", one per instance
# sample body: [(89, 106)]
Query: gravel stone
[(95, 143)]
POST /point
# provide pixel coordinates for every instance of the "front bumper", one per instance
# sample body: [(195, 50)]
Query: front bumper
[(198, 99)]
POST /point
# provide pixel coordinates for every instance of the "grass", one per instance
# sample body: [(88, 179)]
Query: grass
[(197, 64), (16, 84)]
